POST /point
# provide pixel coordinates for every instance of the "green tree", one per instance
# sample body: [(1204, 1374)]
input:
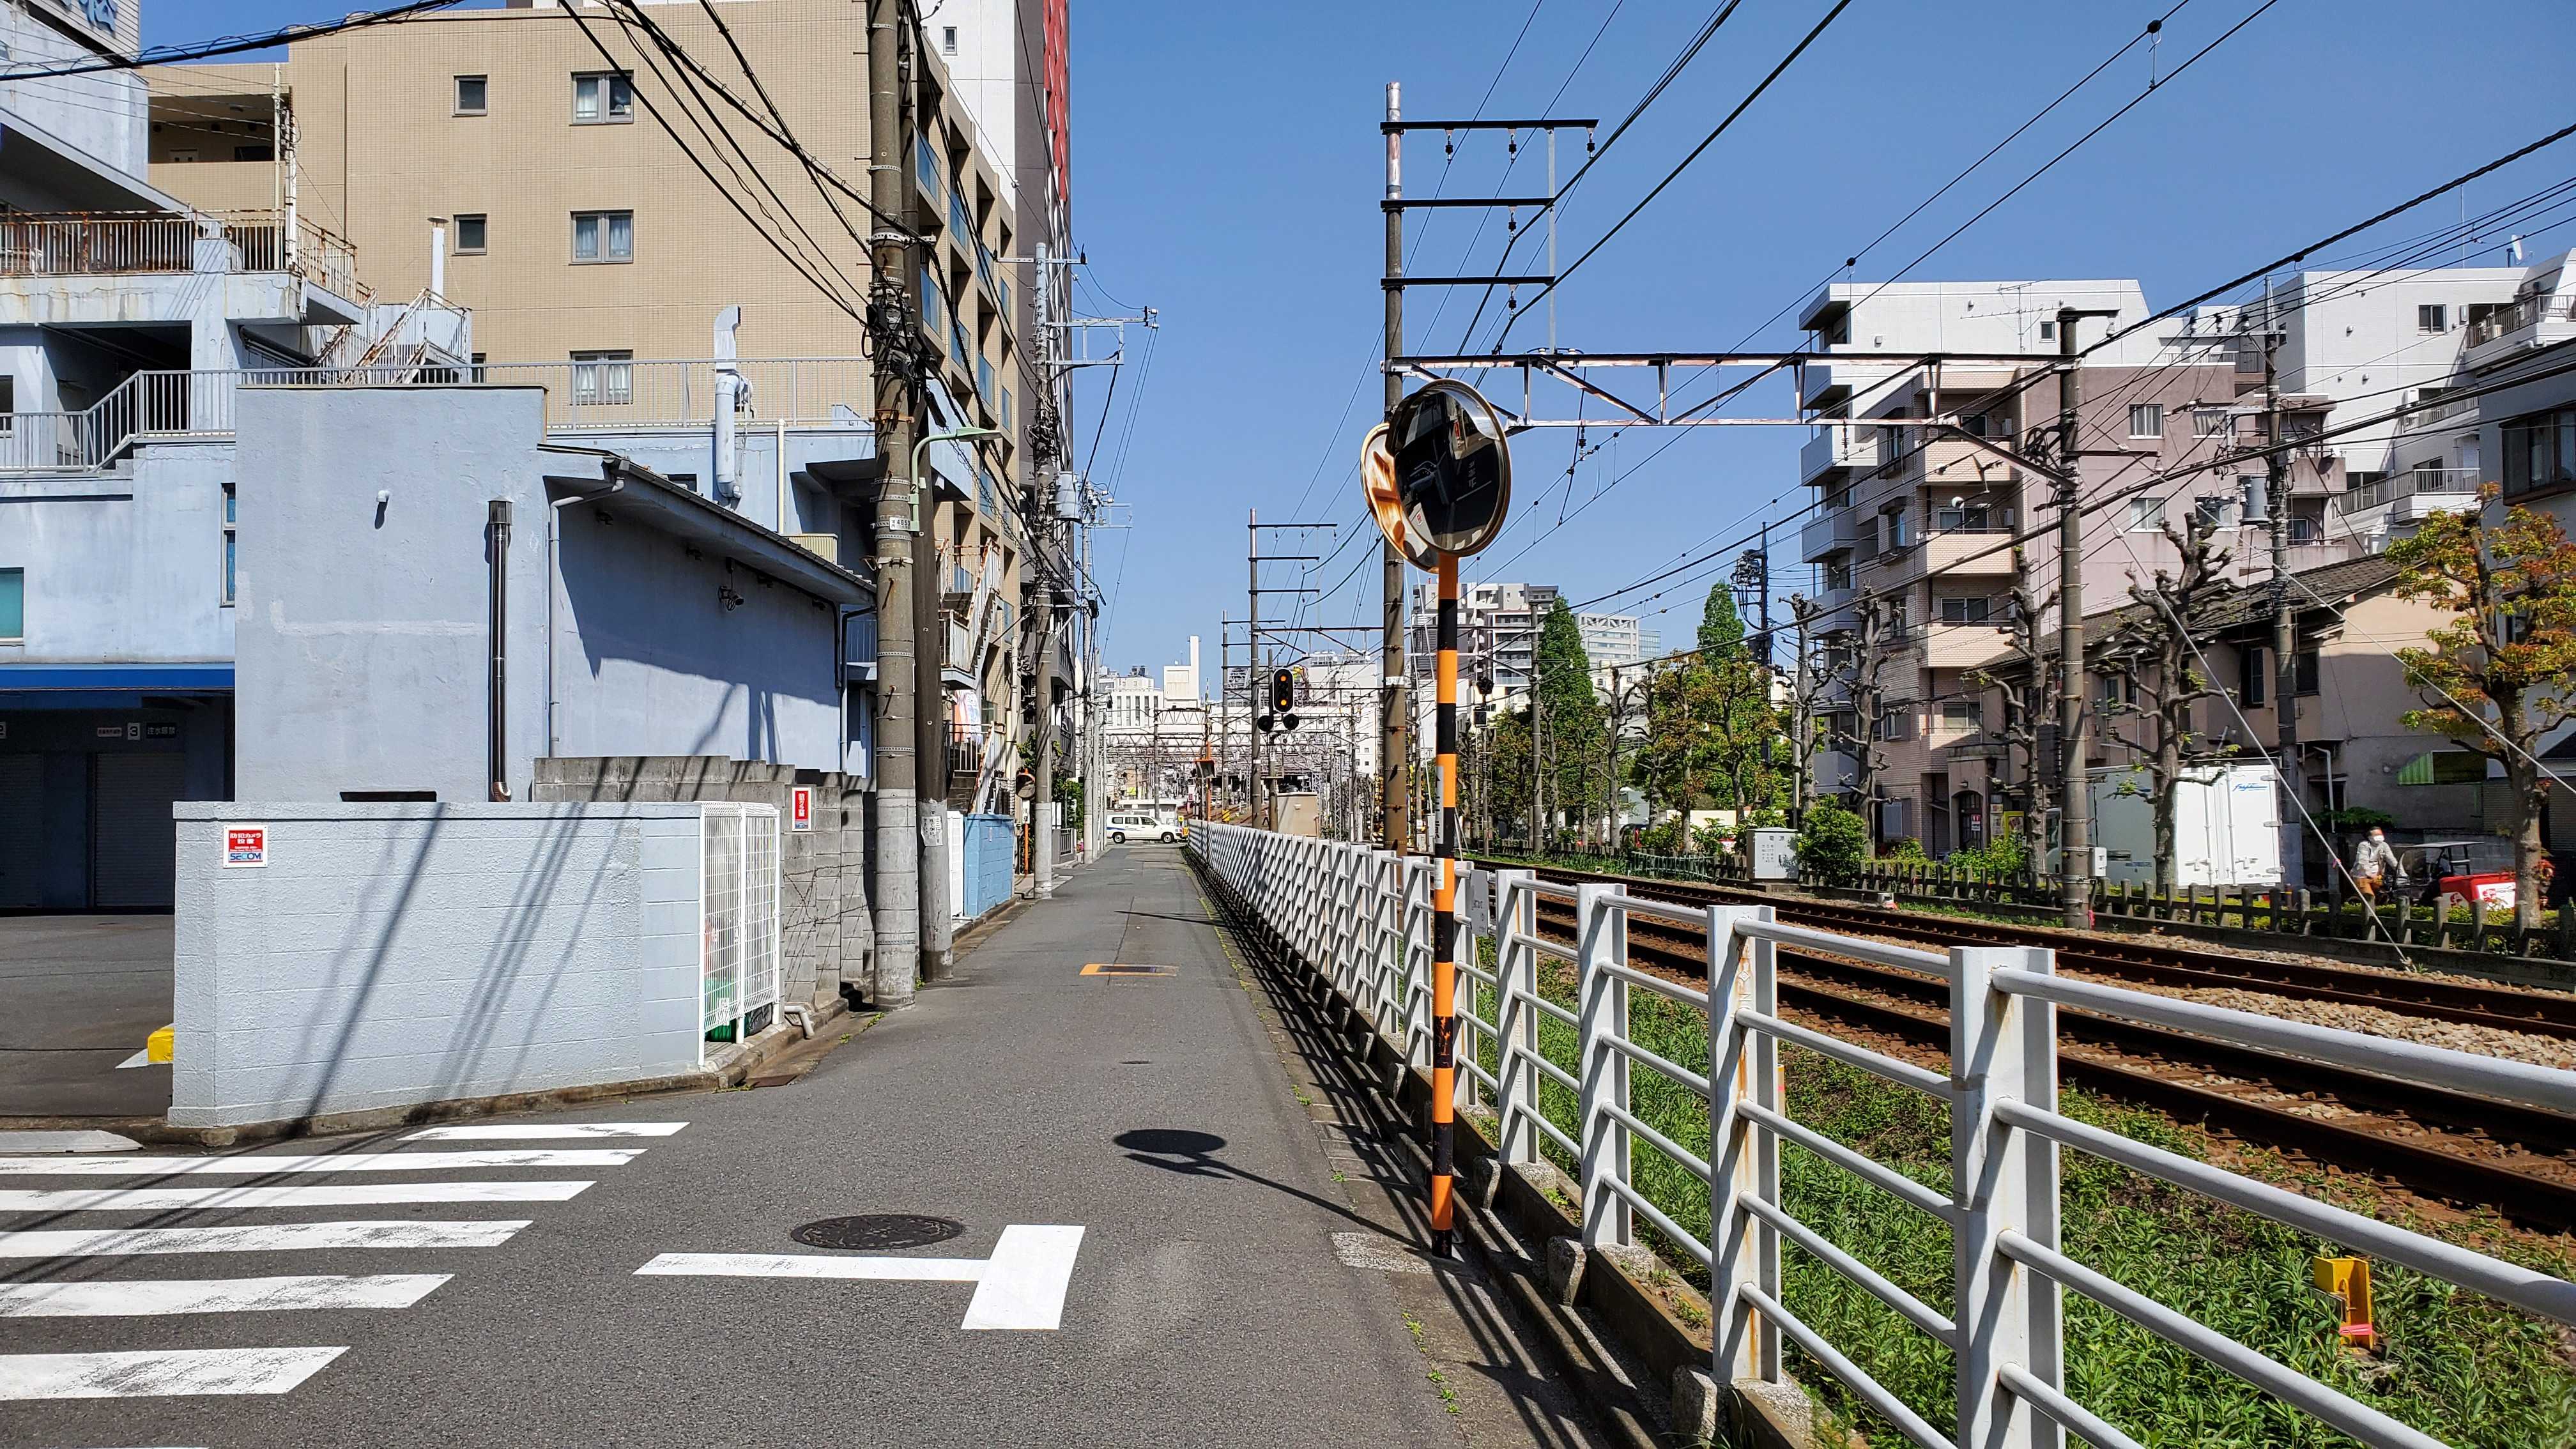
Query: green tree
[(1832, 841), (1721, 629), (1573, 744), (2502, 674)]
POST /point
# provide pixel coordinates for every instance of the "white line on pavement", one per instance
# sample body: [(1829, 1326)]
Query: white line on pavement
[(542, 1131), (808, 1265), (336, 1194), (215, 1295), (274, 1237), (1024, 1281), (1022, 1286), (167, 1371), (142, 1058), (258, 1166)]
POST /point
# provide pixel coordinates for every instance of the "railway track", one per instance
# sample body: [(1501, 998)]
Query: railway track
[(2156, 963), (2438, 1144)]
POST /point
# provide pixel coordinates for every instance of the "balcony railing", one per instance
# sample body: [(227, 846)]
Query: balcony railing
[(2435, 416), (2513, 317), (100, 244), (2445, 483), (607, 397)]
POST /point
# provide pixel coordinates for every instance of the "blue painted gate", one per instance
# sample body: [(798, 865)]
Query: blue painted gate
[(990, 845)]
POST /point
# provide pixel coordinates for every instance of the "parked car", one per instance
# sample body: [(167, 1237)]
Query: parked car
[(1142, 827)]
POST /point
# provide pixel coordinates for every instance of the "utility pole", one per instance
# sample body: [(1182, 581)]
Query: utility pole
[(1252, 655), (895, 840), (932, 730), (2285, 648), (1395, 759), (2075, 790)]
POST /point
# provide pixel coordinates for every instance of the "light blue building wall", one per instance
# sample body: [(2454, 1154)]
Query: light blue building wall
[(641, 618)]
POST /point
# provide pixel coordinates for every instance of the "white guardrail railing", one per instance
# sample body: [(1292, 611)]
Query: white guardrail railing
[(1361, 918)]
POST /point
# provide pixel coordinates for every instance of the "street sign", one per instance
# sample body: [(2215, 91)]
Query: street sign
[(1438, 474), (800, 804)]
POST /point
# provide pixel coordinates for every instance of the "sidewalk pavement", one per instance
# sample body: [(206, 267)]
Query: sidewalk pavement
[(1243, 1274)]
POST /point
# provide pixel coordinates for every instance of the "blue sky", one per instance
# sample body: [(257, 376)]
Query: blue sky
[(1227, 164)]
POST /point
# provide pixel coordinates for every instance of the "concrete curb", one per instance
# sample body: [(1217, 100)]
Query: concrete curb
[(756, 1056)]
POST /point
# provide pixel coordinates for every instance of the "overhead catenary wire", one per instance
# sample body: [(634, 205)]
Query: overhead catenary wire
[(234, 44)]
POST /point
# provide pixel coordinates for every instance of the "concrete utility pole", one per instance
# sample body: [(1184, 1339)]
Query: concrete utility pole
[(2285, 648), (1042, 756), (895, 841), (2075, 790), (1396, 755)]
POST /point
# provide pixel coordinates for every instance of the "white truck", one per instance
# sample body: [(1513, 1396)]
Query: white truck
[(2227, 825)]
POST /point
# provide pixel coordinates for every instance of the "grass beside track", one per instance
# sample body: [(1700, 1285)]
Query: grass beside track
[(2455, 1365)]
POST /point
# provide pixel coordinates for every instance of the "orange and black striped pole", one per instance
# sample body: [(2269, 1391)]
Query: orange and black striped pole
[(1444, 930)]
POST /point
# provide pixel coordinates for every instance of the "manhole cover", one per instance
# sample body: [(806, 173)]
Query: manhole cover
[(876, 1232)]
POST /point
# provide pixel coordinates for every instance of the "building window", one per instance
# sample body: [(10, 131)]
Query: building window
[(2304, 669), (2048, 332), (473, 95), (2539, 451), (2146, 420), (231, 551), (2250, 677), (260, 152), (2208, 422), (604, 98), (948, 40), (2146, 515), (603, 378), (13, 606), (1978, 610), (1963, 714), (2432, 317), (471, 233), (603, 236), (1968, 518)]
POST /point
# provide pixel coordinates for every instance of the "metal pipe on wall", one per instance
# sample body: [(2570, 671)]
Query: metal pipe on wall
[(496, 553)]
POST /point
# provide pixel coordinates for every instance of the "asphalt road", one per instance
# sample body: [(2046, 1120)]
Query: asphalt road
[(1209, 1299), (78, 994)]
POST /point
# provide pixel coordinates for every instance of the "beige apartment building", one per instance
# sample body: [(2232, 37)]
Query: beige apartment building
[(1915, 528), (499, 156)]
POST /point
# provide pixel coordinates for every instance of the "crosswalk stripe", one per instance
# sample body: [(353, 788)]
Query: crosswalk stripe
[(336, 1194), (215, 1295), (543, 1131), (270, 1237), (160, 1372), (812, 1265), (260, 1166)]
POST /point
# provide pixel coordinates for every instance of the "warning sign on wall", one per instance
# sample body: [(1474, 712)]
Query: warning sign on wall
[(245, 845), (800, 808)]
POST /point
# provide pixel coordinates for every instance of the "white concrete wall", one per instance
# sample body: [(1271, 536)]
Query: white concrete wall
[(104, 113), (125, 567), (392, 955)]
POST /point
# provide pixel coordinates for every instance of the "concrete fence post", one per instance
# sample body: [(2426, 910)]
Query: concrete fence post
[(1515, 1020), (1601, 931), (2003, 1048), (1744, 1160)]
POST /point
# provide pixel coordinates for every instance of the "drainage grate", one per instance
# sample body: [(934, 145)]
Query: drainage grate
[(877, 1232)]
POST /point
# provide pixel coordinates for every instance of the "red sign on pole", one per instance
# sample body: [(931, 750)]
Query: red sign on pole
[(801, 807), (245, 845)]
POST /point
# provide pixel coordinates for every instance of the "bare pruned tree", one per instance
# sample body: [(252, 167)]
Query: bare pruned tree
[(2150, 656), (2030, 692)]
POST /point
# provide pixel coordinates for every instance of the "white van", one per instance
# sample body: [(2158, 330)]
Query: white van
[(1143, 827)]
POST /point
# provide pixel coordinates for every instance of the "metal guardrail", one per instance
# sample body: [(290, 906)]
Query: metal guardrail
[(93, 244), (607, 396), (2444, 482), (1360, 918)]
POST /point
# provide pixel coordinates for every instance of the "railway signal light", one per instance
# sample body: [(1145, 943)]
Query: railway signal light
[(1283, 690)]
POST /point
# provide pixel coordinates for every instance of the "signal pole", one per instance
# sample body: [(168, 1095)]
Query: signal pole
[(1252, 659), (2075, 847), (1395, 754)]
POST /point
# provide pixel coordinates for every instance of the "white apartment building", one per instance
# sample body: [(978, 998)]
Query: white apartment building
[(1617, 639)]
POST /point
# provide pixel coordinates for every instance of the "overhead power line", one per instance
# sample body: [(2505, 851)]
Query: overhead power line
[(234, 44)]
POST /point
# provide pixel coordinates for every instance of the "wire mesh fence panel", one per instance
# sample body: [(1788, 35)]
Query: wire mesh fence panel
[(721, 881), (758, 981)]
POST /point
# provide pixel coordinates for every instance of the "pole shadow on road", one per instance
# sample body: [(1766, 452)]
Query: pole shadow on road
[(1193, 1154)]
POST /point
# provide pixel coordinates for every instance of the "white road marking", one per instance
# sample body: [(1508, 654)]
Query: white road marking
[(272, 1237), (259, 1166), (142, 1058), (1022, 1286), (336, 1194), (542, 1131), (215, 1295), (79, 1141), (163, 1372), (1024, 1281), (811, 1265)]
